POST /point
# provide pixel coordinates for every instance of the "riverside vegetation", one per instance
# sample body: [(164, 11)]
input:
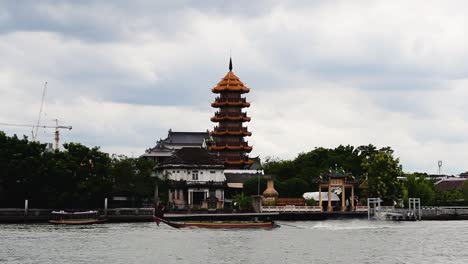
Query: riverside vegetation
[(81, 177)]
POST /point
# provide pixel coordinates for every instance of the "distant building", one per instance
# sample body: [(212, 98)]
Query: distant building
[(196, 177), (174, 141), (235, 180), (450, 184)]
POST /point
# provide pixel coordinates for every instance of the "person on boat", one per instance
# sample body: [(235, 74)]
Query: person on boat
[(159, 212)]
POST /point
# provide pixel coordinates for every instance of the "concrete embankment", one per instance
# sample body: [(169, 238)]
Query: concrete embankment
[(445, 213), (283, 216), (16, 215)]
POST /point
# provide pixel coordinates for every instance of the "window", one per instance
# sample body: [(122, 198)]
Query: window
[(195, 175), (177, 171), (178, 194), (173, 194), (201, 172), (212, 172)]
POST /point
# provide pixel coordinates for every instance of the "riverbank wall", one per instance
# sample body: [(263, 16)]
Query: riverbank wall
[(16, 215), (20, 215)]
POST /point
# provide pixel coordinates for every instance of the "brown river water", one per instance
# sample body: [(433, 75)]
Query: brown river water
[(338, 241)]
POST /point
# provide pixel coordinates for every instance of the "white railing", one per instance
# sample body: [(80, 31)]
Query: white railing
[(291, 208), (130, 211), (361, 208), (386, 208)]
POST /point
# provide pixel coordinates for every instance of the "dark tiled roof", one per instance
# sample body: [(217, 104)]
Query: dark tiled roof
[(191, 138), (449, 185), (192, 156), (257, 164), (238, 177), (181, 139)]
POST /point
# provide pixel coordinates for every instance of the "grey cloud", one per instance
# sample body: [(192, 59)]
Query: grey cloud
[(106, 21), (142, 58)]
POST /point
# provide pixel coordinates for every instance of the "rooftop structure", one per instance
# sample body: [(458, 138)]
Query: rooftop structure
[(450, 184), (228, 136), (237, 178), (341, 181), (176, 140), (192, 157)]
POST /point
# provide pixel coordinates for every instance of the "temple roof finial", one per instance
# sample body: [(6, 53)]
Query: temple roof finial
[(230, 64)]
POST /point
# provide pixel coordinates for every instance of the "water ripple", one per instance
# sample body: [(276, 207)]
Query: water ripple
[(355, 241)]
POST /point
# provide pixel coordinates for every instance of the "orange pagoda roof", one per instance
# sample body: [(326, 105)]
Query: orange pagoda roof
[(232, 133), (220, 103), (232, 118), (239, 162), (230, 83), (244, 148)]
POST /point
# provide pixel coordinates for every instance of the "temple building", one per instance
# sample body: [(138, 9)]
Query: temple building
[(196, 179), (228, 136), (207, 169), (174, 141)]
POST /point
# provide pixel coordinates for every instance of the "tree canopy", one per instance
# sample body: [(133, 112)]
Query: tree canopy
[(77, 177), (81, 177), (377, 167)]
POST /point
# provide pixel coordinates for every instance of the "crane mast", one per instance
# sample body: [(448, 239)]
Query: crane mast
[(35, 128), (38, 124)]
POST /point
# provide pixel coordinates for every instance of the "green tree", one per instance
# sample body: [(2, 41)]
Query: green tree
[(133, 177), (383, 170), (418, 186), (20, 167), (294, 187), (251, 186), (242, 201), (465, 190)]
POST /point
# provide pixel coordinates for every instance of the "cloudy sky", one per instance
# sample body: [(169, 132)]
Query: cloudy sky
[(321, 73)]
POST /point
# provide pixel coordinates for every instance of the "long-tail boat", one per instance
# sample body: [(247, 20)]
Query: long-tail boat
[(218, 225), (76, 218)]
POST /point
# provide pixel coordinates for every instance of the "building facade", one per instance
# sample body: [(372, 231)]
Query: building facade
[(196, 179), (229, 135)]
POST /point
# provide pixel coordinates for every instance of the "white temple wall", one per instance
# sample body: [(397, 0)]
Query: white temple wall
[(203, 175)]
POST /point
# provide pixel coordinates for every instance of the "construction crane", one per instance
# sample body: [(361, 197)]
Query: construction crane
[(35, 128), (57, 127)]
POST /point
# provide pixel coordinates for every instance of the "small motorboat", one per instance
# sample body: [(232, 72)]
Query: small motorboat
[(76, 218), (219, 224)]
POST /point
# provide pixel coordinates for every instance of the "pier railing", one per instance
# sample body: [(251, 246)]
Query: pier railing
[(291, 208), (13, 212), (130, 211), (361, 208)]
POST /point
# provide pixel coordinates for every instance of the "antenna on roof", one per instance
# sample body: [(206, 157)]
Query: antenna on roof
[(230, 64)]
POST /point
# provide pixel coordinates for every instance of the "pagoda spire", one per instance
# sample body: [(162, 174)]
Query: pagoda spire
[(230, 64)]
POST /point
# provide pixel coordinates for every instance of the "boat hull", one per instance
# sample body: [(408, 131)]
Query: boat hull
[(78, 222), (217, 225)]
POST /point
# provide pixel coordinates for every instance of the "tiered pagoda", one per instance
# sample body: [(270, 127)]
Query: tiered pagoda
[(229, 143)]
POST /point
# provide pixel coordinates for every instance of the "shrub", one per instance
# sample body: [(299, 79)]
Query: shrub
[(311, 202)]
